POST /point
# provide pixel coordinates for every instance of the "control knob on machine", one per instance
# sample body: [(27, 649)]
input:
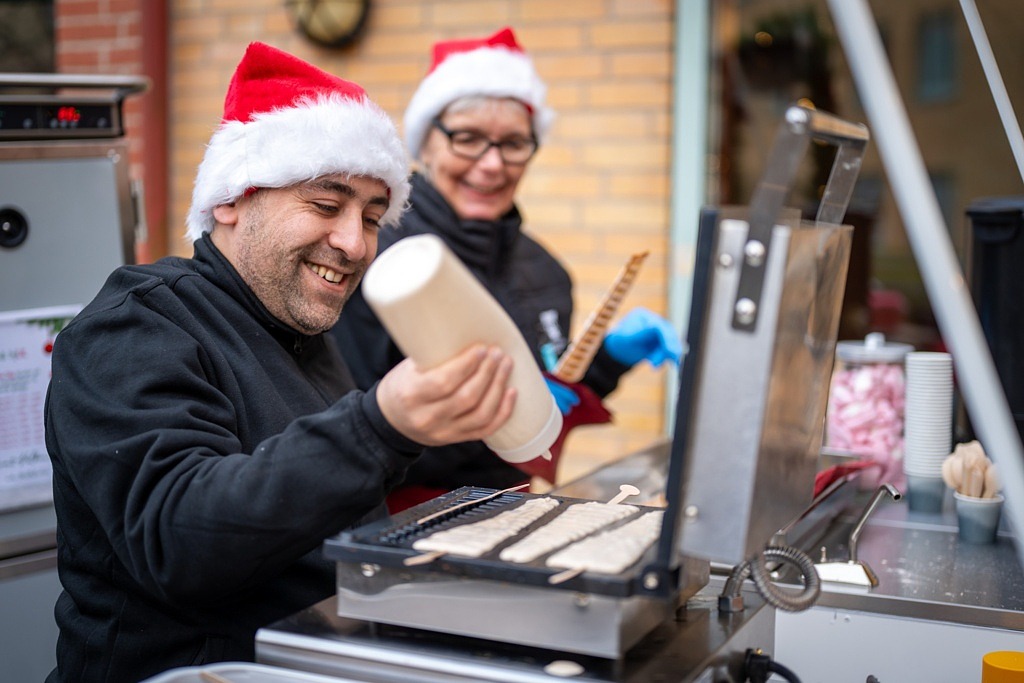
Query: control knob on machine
[(13, 227)]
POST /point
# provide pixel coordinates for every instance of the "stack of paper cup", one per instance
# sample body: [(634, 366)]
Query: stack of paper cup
[(928, 427)]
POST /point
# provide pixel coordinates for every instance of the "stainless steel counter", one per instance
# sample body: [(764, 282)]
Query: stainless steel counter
[(28, 540), (28, 591), (700, 646), (645, 469), (924, 571)]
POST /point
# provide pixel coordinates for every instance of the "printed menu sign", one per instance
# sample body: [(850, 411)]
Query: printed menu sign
[(26, 342)]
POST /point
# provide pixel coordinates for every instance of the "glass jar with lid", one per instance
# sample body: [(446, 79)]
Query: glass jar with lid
[(866, 399)]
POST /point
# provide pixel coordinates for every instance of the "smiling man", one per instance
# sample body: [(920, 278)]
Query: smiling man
[(204, 432)]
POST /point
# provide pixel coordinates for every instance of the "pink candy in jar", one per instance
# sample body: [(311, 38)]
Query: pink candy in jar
[(866, 399)]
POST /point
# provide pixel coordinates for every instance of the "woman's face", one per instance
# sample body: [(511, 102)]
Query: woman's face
[(484, 188)]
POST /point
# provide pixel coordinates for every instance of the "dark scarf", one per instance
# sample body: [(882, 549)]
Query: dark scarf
[(485, 246)]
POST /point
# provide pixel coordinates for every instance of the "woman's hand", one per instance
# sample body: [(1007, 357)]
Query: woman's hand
[(464, 399), (644, 335)]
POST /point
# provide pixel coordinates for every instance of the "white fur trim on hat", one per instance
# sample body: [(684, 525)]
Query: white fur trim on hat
[(493, 71), (317, 137)]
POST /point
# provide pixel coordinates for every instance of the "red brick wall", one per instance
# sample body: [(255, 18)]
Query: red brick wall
[(106, 37), (103, 37)]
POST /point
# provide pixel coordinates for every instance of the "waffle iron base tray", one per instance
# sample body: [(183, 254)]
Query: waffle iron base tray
[(592, 613), (389, 542)]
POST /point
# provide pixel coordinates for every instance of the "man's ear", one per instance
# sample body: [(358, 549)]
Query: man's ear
[(226, 214)]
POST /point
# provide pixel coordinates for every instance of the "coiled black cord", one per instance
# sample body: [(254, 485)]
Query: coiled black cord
[(756, 569), (759, 667)]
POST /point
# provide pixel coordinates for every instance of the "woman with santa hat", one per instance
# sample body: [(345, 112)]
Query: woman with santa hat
[(472, 126)]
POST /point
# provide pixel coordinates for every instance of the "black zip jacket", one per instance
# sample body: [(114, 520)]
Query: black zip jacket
[(201, 453), (523, 277)]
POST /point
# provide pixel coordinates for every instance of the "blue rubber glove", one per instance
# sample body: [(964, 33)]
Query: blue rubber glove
[(643, 335), (565, 398)]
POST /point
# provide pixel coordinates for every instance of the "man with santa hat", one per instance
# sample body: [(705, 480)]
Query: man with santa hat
[(204, 432)]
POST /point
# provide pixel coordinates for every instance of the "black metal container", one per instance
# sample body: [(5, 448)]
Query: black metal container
[(997, 287)]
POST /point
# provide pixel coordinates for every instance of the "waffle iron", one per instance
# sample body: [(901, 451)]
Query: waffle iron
[(768, 290)]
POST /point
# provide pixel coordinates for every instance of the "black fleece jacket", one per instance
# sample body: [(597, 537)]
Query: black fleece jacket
[(201, 453), (523, 277)]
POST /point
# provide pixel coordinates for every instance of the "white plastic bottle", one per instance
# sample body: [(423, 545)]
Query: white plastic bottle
[(434, 308)]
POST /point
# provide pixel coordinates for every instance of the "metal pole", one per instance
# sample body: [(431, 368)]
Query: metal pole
[(689, 166), (933, 251), (995, 82)]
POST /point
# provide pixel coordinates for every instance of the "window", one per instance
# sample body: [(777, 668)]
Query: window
[(936, 57), (945, 193), (26, 36), (770, 53)]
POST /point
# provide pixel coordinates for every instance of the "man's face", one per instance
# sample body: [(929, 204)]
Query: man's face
[(303, 249)]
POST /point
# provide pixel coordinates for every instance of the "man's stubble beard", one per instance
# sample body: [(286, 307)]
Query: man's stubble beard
[(258, 249)]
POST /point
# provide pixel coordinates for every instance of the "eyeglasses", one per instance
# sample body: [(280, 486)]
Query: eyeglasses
[(467, 144)]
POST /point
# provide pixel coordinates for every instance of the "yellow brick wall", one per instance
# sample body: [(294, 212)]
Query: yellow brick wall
[(596, 193)]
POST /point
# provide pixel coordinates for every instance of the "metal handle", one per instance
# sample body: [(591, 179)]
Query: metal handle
[(123, 85), (879, 494), (800, 125)]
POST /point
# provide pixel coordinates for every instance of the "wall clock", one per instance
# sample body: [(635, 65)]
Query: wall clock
[(331, 23)]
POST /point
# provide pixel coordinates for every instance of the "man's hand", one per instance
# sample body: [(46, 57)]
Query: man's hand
[(464, 399)]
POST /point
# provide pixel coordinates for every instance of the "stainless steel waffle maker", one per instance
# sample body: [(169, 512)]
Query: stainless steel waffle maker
[(753, 384)]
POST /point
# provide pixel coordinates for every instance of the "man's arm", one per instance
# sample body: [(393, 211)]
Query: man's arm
[(201, 493)]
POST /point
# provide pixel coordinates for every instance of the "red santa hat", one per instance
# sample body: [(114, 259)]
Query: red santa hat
[(286, 121), (495, 66)]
